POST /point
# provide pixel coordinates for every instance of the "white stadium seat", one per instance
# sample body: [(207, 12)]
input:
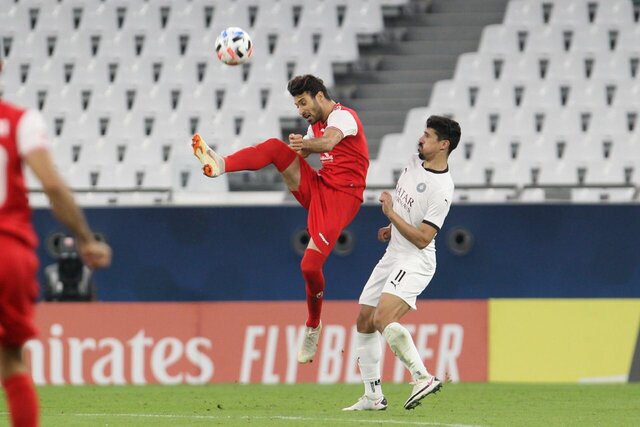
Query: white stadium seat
[(528, 13)]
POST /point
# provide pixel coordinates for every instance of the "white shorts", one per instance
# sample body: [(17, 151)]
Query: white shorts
[(399, 277)]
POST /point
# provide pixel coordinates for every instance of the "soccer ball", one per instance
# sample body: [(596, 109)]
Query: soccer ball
[(234, 46)]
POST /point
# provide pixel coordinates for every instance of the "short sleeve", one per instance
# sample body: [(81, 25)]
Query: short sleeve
[(310, 133), (31, 132), (343, 120), (437, 209)]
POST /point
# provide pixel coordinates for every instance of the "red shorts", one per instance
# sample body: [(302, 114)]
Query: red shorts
[(18, 292), (330, 210)]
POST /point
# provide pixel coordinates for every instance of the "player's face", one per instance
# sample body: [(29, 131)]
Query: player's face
[(308, 107), (429, 144)]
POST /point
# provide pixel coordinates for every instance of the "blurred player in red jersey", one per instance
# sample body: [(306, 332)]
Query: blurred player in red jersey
[(332, 195), (23, 139)]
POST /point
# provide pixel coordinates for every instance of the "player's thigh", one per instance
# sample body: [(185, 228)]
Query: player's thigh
[(291, 175), (407, 282), (302, 181), (372, 290), (330, 212), (390, 309), (18, 293)]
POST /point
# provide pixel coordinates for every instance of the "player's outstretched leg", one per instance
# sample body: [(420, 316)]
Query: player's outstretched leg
[(212, 162), (309, 344), (365, 403)]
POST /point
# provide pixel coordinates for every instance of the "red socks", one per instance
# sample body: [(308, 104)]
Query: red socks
[(21, 400), (311, 266), (257, 157)]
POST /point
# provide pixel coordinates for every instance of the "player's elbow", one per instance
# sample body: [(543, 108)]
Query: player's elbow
[(422, 243)]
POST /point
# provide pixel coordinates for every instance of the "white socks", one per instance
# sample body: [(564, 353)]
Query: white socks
[(401, 343), (368, 351)]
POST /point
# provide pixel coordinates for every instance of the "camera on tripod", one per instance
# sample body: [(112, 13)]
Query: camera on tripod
[(68, 279)]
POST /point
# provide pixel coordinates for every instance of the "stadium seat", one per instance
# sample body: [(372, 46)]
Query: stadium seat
[(627, 94), (572, 12), (527, 13), (269, 70), (628, 39), (273, 15), (381, 170), (230, 14), (158, 15), (297, 46), (478, 66), (596, 39), (564, 121), (569, 66), (108, 17), (602, 195), (465, 163), (506, 162), (526, 67), (501, 39), (618, 12), (614, 163), (455, 94), (364, 17), (549, 39)]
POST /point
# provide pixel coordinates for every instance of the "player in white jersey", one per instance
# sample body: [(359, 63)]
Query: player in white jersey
[(416, 211)]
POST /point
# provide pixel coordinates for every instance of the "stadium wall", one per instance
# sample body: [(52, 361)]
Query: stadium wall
[(245, 342), (504, 340), (246, 253), (545, 293)]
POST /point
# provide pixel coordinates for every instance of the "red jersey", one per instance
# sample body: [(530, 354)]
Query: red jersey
[(345, 167), (20, 131)]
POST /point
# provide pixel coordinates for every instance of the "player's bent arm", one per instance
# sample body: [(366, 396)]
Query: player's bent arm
[(332, 136), (420, 236), (62, 202)]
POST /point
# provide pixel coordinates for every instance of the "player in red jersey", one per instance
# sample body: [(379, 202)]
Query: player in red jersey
[(332, 195), (23, 140)]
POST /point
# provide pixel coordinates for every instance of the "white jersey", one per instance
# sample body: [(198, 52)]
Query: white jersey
[(422, 196)]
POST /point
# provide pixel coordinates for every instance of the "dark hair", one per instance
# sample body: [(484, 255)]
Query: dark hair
[(307, 83), (445, 128)]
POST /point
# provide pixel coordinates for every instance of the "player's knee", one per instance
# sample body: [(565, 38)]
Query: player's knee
[(312, 262), (279, 153), (381, 319), (274, 144), (364, 323), (310, 270)]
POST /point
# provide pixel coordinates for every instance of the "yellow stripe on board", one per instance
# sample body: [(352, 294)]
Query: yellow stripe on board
[(562, 340)]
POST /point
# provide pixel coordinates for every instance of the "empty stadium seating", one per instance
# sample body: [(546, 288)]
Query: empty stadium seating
[(548, 100), (123, 85)]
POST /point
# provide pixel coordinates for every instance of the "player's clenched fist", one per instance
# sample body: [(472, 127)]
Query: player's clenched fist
[(384, 234), (95, 254), (295, 142)]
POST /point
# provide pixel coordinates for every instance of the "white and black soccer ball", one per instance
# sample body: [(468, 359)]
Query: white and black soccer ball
[(234, 46)]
